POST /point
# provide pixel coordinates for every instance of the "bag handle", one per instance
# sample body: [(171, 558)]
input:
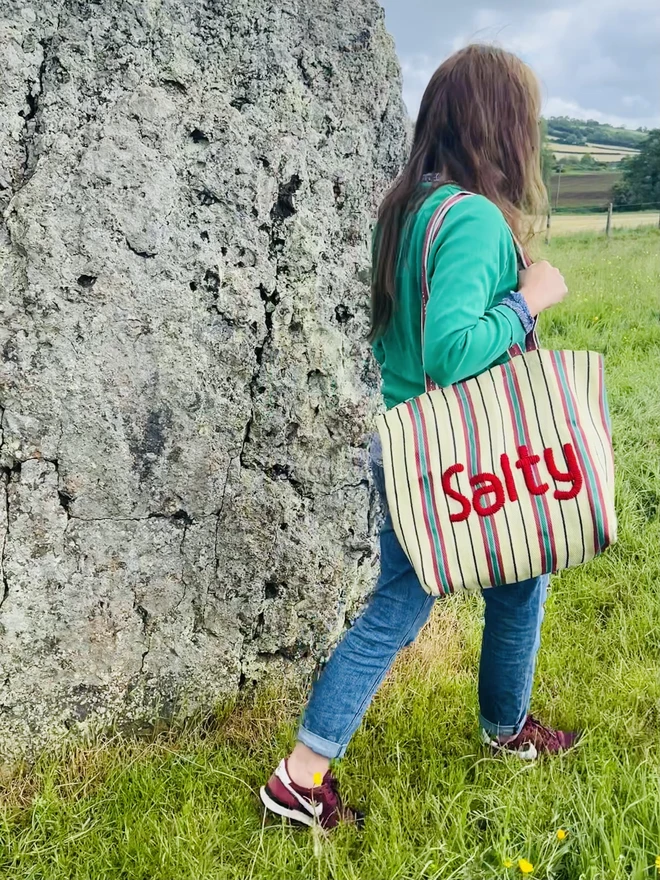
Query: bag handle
[(524, 261)]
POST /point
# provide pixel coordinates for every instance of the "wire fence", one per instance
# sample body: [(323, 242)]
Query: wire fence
[(569, 208), (640, 206), (604, 220)]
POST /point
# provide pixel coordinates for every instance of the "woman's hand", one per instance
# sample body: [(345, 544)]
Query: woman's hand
[(542, 286)]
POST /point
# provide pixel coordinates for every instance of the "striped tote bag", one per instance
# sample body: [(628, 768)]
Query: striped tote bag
[(505, 476)]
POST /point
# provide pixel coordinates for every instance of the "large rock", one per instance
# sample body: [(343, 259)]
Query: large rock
[(188, 190)]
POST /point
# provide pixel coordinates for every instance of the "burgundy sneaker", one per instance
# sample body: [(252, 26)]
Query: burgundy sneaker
[(308, 806), (533, 740)]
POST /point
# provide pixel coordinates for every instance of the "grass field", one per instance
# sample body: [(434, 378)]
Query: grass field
[(566, 224), (590, 189), (599, 151), (184, 807)]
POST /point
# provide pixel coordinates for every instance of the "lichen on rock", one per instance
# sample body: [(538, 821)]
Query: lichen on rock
[(187, 193)]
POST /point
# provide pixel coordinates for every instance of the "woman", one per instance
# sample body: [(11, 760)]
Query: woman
[(477, 130)]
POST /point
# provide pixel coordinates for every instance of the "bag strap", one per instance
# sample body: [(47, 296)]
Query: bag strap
[(432, 230)]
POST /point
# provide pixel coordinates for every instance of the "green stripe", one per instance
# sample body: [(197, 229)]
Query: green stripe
[(603, 395), (492, 547), (595, 494), (547, 543), (429, 499)]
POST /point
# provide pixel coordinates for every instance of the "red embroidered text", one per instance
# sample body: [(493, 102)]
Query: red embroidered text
[(490, 492)]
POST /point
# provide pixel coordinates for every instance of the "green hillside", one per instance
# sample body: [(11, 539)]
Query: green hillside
[(580, 131), (588, 191)]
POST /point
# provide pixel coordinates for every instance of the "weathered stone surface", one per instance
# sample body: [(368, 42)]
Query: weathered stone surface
[(187, 191)]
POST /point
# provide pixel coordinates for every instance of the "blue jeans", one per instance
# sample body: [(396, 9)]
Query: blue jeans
[(397, 610)]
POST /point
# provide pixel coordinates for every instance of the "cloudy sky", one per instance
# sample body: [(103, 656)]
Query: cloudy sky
[(597, 59)]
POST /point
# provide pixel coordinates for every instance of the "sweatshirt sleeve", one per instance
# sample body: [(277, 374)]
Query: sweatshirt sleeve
[(464, 335)]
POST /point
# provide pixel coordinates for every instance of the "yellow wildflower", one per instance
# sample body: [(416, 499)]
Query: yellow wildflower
[(561, 834), (525, 866), (507, 863), (317, 779), (657, 862)]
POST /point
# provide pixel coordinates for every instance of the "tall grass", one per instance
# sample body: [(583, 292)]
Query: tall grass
[(185, 806)]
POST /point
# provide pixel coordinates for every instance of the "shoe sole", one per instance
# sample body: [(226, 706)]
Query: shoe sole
[(528, 755), (280, 810)]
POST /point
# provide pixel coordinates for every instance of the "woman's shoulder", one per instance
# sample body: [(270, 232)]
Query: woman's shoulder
[(473, 205), (473, 215)]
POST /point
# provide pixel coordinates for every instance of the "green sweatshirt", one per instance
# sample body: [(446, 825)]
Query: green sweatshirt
[(472, 267)]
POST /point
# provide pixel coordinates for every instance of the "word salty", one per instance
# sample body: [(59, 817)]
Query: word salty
[(491, 492)]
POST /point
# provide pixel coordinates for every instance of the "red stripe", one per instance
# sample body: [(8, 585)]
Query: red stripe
[(532, 339), (432, 231), (496, 537), (544, 500), (576, 446), (482, 526), (435, 507), (525, 258), (601, 495), (420, 479), (514, 422)]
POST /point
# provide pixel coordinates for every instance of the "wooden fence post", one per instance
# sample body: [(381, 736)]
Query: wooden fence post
[(608, 227), (558, 185), (547, 226)]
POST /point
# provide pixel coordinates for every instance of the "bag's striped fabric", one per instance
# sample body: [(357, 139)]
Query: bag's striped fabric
[(505, 476)]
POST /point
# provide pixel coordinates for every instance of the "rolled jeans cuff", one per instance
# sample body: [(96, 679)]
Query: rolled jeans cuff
[(495, 730), (324, 747)]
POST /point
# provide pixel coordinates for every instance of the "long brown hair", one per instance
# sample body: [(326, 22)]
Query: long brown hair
[(478, 125)]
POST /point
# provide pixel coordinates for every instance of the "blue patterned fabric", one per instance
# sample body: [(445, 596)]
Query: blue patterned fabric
[(517, 303)]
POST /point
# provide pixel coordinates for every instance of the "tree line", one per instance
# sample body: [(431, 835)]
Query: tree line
[(640, 185), (581, 131)]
